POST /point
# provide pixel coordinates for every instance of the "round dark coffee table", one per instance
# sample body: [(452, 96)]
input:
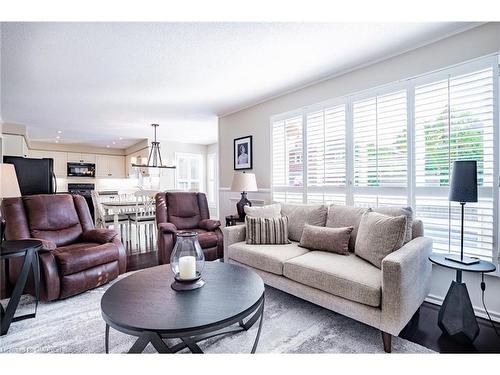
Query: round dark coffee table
[(144, 305)]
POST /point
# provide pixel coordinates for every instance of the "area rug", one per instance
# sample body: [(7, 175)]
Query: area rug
[(291, 325)]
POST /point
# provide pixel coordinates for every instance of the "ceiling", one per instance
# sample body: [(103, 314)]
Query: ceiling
[(97, 82)]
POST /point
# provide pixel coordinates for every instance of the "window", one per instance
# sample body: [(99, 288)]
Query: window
[(395, 145), (454, 121), (380, 150), (211, 179), (189, 171)]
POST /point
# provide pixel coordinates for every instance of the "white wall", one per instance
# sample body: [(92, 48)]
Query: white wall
[(254, 121)]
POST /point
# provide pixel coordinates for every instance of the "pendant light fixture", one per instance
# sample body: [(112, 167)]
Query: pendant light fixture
[(154, 159)]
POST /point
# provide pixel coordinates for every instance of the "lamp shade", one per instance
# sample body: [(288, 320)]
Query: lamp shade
[(244, 182), (463, 186), (9, 187)]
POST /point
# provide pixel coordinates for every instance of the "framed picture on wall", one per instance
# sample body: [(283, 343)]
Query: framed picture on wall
[(242, 152)]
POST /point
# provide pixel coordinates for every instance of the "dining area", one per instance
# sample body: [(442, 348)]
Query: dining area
[(131, 213)]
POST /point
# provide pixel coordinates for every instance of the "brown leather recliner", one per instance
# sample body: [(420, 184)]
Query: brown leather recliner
[(180, 211), (75, 256)]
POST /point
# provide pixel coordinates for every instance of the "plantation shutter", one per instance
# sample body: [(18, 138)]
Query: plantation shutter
[(380, 150), (454, 121), (288, 161), (326, 155)]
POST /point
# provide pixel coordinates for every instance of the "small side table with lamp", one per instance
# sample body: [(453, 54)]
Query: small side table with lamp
[(9, 188), (456, 316)]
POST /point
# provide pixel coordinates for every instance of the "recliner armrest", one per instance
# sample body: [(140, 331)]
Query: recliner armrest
[(209, 224), (99, 235), (168, 228), (46, 244)]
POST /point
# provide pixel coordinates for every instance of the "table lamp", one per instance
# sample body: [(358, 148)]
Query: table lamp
[(9, 188), (463, 189), (243, 182)]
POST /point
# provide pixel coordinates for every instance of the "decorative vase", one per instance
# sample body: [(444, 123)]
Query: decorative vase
[(187, 262)]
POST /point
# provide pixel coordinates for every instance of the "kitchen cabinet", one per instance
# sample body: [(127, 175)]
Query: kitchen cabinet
[(110, 166), (60, 160), (81, 158), (14, 145)]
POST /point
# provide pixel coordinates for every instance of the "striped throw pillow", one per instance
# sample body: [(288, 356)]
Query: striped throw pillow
[(267, 231)]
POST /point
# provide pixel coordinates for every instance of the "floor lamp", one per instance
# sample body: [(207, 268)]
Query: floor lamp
[(463, 189)]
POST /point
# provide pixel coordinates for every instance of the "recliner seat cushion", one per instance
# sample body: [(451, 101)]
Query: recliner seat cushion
[(82, 256), (268, 258), (346, 276)]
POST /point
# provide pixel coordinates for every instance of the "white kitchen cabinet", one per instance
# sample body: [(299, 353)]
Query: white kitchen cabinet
[(14, 145), (81, 158), (60, 160), (110, 166)]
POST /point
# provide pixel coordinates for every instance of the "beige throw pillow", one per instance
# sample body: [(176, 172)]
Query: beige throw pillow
[(271, 210), (378, 236), (398, 211), (335, 240), (345, 216), (300, 215)]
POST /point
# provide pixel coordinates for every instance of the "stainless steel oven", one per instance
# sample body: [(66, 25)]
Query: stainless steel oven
[(81, 170)]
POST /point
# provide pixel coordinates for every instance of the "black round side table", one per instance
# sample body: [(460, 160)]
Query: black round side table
[(456, 316), (28, 249)]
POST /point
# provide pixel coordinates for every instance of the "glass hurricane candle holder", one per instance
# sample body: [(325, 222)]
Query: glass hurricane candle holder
[(187, 262)]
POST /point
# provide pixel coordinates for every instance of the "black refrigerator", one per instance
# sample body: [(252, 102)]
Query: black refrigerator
[(35, 176)]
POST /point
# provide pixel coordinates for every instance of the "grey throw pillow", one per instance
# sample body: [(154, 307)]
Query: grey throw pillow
[(398, 211), (300, 215), (335, 240), (345, 216), (378, 236), (267, 231)]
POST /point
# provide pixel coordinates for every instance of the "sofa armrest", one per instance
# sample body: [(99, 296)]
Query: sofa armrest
[(233, 234), (209, 224), (167, 228), (99, 235), (406, 276)]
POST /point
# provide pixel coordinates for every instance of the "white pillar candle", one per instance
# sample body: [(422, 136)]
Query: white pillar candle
[(187, 267)]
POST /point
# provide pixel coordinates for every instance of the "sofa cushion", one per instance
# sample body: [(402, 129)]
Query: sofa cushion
[(348, 276), (300, 215), (183, 209), (345, 216), (268, 258), (379, 235), (270, 210), (398, 211), (84, 255), (267, 230), (327, 239)]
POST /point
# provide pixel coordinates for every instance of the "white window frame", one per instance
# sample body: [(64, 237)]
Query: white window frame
[(212, 201), (190, 157), (490, 61)]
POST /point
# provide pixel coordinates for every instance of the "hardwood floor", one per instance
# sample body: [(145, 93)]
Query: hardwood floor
[(424, 330), (138, 261)]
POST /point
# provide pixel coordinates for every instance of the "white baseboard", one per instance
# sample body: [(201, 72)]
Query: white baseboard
[(478, 311)]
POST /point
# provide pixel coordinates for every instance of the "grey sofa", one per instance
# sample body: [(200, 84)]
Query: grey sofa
[(385, 298)]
